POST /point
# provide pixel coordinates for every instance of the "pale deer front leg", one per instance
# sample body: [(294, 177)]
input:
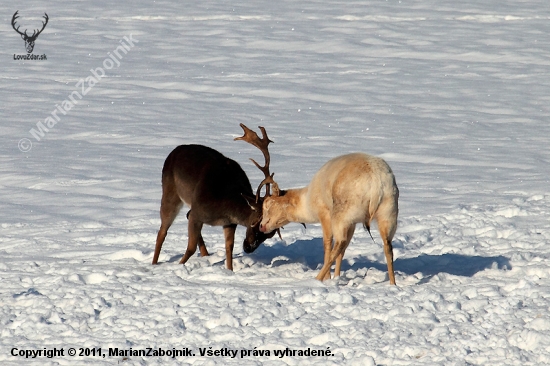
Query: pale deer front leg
[(339, 248), (327, 246), (349, 235), (229, 233)]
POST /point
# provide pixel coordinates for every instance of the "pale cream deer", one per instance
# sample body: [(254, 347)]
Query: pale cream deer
[(349, 189), (218, 192)]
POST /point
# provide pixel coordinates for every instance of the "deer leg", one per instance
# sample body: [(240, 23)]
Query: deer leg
[(170, 206), (349, 235), (327, 243), (229, 233), (160, 240), (194, 233), (387, 229), (388, 251), (339, 248), (202, 247)]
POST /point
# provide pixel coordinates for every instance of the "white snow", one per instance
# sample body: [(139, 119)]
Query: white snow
[(455, 96)]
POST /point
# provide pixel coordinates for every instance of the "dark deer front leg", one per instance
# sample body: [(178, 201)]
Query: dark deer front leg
[(229, 233)]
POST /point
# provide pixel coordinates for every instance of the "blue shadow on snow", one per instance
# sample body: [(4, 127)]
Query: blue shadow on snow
[(310, 253)]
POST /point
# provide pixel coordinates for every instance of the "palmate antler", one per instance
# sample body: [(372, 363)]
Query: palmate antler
[(261, 143)]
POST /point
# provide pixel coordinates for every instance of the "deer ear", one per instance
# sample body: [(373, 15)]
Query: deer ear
[(251, 200)]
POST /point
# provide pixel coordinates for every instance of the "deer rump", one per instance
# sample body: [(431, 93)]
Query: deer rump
[(218, 192)]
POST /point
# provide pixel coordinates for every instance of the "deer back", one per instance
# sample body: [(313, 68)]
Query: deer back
[(212, 184), (354, 183)]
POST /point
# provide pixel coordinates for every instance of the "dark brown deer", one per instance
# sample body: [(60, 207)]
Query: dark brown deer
[(218, 192), (29, 40)]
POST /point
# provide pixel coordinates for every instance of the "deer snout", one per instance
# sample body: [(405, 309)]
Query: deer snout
[(263, 228), (266, 228)]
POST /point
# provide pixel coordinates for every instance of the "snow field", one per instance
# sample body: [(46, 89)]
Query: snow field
[(454, 98)]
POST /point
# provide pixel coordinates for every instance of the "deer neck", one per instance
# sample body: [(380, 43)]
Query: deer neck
[(297, 207), (244, 216)]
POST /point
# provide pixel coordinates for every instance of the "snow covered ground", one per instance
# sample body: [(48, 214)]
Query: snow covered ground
[(454, 95)]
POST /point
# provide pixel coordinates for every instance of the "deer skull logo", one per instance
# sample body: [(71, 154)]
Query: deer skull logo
[(29, 40)]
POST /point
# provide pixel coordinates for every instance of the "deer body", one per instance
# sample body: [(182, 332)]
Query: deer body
[(349, 189), (216, 188)]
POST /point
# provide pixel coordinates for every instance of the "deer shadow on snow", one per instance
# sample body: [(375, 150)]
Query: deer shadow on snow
[(310, 253)]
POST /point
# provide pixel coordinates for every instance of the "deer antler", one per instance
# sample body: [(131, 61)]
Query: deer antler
[(261, 143), (267, 181)]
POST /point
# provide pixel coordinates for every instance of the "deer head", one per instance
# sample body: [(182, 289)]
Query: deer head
[(29, 40), (254, 236)]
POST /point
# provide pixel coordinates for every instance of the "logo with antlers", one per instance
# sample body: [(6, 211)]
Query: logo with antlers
[(29, 40)]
